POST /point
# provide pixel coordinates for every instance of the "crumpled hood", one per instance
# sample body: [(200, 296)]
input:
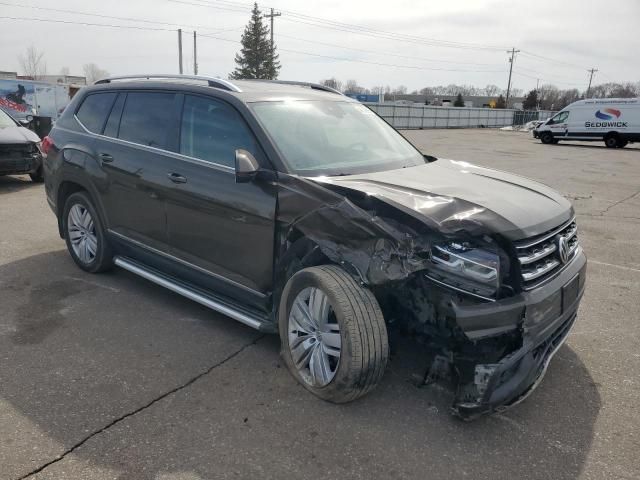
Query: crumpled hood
[(458, 196), (17, 135)]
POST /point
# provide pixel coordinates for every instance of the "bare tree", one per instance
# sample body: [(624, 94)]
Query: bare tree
[(352, 87), (93, 73), (492, 90), (332, 82), (32, 63), (64, 71)]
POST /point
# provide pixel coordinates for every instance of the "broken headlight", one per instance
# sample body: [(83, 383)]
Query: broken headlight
[(467, 268)]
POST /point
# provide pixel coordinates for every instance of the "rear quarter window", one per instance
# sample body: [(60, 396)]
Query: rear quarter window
[(94, 110)]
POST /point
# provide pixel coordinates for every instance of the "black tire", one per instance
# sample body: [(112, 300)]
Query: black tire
[(363, 333), (103, 259), (621, 143), (611, 140), (546, 138), (37, 176)]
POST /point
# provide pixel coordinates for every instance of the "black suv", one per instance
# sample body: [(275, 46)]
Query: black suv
[(294, 209)]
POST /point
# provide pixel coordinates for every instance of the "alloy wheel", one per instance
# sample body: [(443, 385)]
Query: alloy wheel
[(82, 233), (314, 337)]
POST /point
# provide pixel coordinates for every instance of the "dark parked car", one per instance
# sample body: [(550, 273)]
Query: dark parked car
[(294, 209), (19, 149)]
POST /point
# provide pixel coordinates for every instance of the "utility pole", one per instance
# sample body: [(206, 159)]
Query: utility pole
[(195, 54), (592, 71), (180, 50), (511, 59), (271, 16), (537, 94)]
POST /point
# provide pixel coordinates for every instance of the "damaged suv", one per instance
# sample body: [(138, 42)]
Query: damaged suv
[(294, 209)]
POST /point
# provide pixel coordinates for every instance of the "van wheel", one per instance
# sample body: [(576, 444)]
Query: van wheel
[(84, 234), (546, 138), (611, 140), (621, 143), (333, 335)]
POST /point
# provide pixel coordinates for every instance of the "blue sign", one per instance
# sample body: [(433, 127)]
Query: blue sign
[(362, 97)]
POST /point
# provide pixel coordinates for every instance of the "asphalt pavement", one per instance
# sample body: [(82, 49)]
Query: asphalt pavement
[(111, 377)]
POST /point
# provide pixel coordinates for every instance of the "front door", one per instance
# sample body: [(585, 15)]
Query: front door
[(224, 229)]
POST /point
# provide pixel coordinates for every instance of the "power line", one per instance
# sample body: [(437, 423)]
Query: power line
[(87, 24), (296, 17), (377, 52), (414, 67), (98, 15)]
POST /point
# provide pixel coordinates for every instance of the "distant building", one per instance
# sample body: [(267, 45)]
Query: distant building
[(475, 101), (8, 75)]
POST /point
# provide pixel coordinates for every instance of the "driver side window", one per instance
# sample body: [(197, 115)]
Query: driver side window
[(560, 118)]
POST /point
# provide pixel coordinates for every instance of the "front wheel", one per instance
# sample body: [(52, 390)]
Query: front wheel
[(333, 335), (37, 176), (546, 138), (621, 143)]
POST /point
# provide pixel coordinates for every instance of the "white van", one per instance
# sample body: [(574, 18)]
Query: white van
[(614, 120)]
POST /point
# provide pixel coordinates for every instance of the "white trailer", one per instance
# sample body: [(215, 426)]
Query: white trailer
[(616, 121)]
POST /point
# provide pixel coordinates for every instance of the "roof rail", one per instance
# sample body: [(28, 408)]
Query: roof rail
[(211, 81), (314, 86)]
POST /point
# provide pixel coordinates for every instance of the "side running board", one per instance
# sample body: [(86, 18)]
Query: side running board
[(248, 318)]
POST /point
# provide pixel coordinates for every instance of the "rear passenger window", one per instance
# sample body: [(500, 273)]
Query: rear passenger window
[(94, 110), (212, 130), (146, 118)]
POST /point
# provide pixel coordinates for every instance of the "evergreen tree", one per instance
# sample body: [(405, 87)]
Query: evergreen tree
[(459, 101), (531, 101), (256, 58), (501, 102)]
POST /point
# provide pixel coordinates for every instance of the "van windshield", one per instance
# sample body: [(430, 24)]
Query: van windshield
[(334, 138)]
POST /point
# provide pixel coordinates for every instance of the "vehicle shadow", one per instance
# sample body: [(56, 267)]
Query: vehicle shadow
[(596, 147), (84, 357), (10, 184)]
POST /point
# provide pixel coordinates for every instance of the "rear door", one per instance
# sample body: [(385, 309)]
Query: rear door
[(135, 152), (224, 229)]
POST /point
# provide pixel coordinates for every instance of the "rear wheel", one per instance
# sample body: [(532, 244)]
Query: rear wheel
[(85, 235), (611, 140), (546, 138), (333, 335), (621, 143)]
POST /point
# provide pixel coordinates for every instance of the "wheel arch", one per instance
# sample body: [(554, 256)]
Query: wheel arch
[(69, 186)]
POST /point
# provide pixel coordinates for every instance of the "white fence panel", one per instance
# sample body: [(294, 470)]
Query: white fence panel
[(419, 116)]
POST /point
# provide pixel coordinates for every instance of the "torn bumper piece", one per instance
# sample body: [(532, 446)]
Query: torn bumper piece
[(546, 315)]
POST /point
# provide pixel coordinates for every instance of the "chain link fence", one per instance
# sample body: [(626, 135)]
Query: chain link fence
[(424, 116)]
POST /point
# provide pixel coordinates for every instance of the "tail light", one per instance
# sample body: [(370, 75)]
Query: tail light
[(46, 144)]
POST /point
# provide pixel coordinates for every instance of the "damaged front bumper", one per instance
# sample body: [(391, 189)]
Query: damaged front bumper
[(544, 316)]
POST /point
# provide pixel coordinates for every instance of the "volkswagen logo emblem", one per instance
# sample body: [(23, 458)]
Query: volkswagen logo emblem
[(563, 249)]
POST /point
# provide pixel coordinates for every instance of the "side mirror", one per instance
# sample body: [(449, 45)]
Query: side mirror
[(26, 120), (246, 166)]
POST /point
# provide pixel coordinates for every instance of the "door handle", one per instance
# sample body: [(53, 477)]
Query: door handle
[(177, 178), (105, 158)]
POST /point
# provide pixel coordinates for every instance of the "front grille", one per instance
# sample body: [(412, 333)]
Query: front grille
[(540, 257), (17, 150)]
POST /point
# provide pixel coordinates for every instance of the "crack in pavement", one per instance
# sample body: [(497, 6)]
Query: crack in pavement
[(142, 408), (619, 202)]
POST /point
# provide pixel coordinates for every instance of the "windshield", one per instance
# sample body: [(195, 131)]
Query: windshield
[(334, 138), (6, 120)]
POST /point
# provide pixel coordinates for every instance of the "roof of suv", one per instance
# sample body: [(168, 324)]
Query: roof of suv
[(245, 90)]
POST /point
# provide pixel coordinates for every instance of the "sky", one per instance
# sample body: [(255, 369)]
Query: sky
[(411, 43)]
